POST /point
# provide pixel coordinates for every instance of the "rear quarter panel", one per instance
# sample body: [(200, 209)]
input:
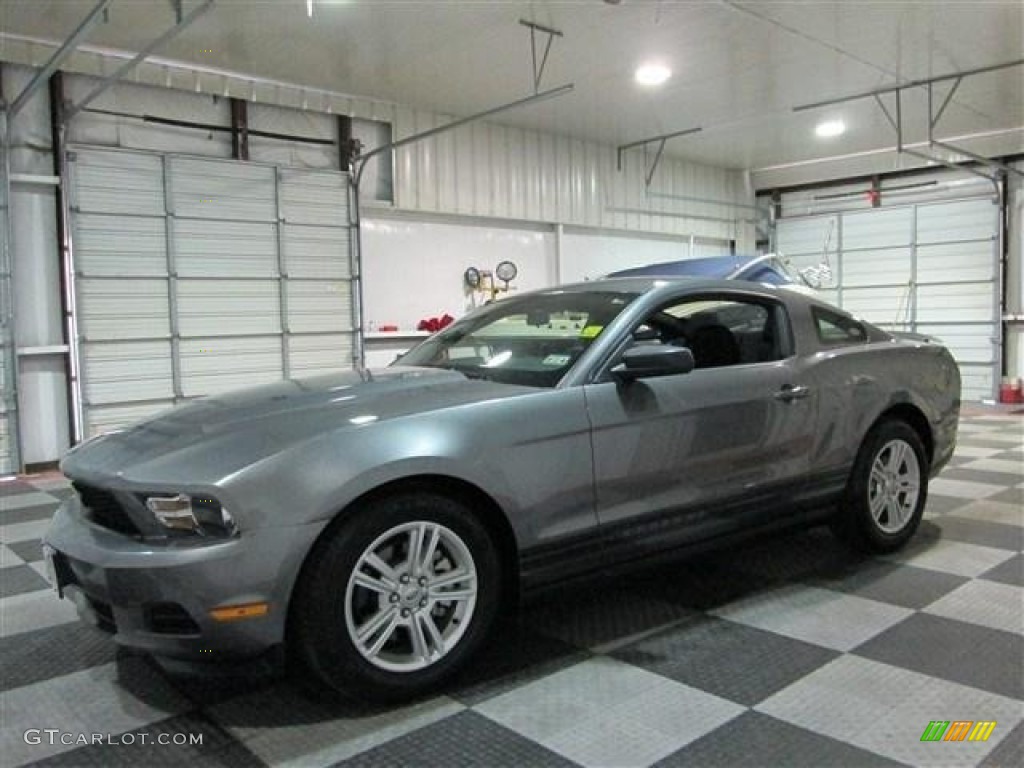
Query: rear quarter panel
[(857, 384)]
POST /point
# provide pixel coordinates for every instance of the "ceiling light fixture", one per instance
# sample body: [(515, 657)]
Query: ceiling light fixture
[(652, 74), (309, 8), (829, 129)]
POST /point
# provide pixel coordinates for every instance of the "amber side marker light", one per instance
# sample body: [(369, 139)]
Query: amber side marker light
[(237, 612)]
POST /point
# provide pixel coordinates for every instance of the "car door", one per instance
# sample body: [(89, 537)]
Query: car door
[(688, 456)]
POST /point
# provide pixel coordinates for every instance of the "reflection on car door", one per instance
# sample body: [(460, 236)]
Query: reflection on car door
[(701, 452)]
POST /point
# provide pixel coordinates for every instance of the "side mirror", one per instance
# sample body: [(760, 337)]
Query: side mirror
[(647, 361)]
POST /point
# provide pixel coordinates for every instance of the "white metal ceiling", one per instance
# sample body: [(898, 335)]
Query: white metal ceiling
[(739, 67)]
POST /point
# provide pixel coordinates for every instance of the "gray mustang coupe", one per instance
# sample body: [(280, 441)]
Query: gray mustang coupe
[(376, 523)]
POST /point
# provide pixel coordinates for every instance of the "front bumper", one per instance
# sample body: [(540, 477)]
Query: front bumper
[(157, 597)]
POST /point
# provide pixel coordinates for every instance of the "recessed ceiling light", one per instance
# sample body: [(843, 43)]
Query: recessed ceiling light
[(830, 128), (652, 74)]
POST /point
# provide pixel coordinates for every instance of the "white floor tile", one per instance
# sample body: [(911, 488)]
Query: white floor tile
[(951, 557), (8, 558), (320, 740), (962, 489), (603, 712), (995, 465), (34, 610), (990, 604), (993, 512), (86, 702), (886, 709), (23, 500), (814, 615), (975, 452), (15, 532)]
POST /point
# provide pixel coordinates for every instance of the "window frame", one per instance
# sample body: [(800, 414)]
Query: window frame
[(837, 319)]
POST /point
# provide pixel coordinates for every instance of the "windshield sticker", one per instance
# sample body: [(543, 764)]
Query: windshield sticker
[(555, 360), (591, 331)]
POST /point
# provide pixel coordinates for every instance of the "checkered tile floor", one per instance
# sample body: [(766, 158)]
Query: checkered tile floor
[(790, 651)]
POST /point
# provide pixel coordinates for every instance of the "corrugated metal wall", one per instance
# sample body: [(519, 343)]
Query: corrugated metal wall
[(931, 268), (196, 276)]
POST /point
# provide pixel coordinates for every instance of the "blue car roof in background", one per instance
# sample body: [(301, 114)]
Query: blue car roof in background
[(714, 267)]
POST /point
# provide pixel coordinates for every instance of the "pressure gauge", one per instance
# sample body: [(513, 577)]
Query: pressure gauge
[(506, 272), (472, 277)]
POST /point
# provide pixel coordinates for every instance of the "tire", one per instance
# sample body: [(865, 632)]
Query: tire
[(396, 597), (887, 490)]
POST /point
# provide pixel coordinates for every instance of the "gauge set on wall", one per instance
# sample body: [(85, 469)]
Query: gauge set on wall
[(482, 282)]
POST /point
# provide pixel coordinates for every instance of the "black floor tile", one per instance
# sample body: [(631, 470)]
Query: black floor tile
[(512, 657), (953, 650), (31, 657), (1009, 572), (981, 476), (1009, 752), (13, 488), (901, 585), (30, 550), (759, 740), (1009, 496), (981, 532), (19, 579), (943, 505), (600, 613), (466, 739), (27, 514), (216, 748), (736, 662)]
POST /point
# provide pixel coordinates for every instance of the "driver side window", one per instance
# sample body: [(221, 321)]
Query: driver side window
[(720, 331)]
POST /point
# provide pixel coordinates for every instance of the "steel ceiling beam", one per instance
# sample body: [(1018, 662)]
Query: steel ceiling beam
[(362, 159), (58, 57), (552, 33), (896, 121), (106, 82), (649, 173), (906, 86)]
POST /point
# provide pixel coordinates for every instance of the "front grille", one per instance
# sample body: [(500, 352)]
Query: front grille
[(169, 619), (103, 508)]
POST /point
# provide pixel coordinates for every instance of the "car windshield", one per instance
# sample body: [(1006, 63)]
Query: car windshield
[(530, 340)]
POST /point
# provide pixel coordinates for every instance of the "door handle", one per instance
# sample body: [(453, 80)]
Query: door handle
[(790, 393)]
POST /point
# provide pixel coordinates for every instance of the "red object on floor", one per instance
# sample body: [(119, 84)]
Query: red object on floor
[(1011, 392)]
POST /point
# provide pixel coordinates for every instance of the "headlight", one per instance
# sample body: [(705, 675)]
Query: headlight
[(201, 515)]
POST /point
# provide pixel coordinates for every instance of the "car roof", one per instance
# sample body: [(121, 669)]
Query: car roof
[(642, 285)]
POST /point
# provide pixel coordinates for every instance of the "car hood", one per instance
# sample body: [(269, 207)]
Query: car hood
[(226, 432)]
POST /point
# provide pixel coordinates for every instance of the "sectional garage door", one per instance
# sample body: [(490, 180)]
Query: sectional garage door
[(931, 268), (195, 276)]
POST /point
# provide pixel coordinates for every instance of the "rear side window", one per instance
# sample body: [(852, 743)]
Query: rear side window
[(834, 328)]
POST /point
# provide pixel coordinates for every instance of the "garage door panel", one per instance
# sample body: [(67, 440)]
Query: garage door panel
[(956, 221), (317, 252), (110, 417), (320, 353), (972, 344), (6, 447), (319, 306), (314, 197), (962, 303), (123, 183), (224, 249), (877, 229), (956, 262), (888, 266), (213, 365), (807, 235), (228, 307), (885, 306), (977, 382), (124, 372), (116, 246), (123, 309), (210, 189)]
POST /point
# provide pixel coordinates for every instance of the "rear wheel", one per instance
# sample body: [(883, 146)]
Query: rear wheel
[(397, 597), (887, 490)]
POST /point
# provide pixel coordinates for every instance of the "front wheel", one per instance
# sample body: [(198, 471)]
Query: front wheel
[(887, 490), (397, 596)]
